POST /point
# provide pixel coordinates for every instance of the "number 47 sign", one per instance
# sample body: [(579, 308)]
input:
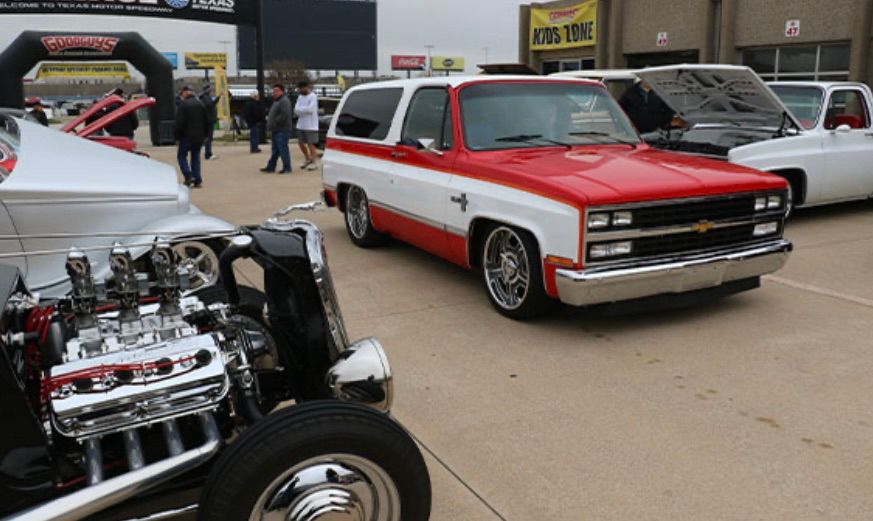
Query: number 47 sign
[(662, 40), (792, 28)]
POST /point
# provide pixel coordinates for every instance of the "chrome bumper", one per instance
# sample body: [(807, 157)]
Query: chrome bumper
[(626, 282)]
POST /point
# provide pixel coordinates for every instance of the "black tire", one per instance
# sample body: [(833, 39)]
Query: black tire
[(359, 225), (525, 260), (275, 445)]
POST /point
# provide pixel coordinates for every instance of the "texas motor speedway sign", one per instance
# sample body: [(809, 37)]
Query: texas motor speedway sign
[(237, 12)]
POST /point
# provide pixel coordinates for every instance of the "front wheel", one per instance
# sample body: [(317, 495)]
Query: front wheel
[(513, 273), (320, 461)]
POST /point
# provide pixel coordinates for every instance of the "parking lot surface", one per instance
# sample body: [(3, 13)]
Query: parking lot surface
[(752, 407)]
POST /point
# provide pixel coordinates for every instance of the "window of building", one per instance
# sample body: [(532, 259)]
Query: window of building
[(368, 113), (812, 62), (551, 67)]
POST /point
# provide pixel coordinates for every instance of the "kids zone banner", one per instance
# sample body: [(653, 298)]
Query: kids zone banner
[(563, 27), (237, 12)]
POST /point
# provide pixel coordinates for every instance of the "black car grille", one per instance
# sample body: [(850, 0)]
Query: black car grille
[(728, 208), (684, 227)]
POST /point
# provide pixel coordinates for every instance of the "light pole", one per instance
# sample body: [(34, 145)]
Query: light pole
[(429, 66), (486, 49)]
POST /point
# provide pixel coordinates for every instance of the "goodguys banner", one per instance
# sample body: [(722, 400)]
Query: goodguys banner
[(238, 12), (564, 27), (83, 70)]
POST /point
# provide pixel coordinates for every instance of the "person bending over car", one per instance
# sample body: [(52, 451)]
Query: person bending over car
[(192, 121), (647, 110)]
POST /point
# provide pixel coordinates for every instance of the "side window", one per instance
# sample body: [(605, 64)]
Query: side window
[(428, 117), (847, 107), (368, 113)]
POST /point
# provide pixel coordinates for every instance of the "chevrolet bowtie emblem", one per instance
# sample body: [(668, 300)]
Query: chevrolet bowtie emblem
[(703, 226)]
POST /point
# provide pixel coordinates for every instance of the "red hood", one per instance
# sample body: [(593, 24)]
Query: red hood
[(615, 174)]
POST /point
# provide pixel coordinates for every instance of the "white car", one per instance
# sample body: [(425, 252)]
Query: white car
[(60, 191), (817, 135)]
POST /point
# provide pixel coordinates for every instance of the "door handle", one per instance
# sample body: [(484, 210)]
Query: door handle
[(398, 154), (869, 133)]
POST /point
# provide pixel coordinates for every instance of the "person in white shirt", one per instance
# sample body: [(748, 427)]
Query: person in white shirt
[(306, 110)]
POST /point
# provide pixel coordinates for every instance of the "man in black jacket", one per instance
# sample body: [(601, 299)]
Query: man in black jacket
[(647, 110), (211, 104), (192, 122), (255, 116)]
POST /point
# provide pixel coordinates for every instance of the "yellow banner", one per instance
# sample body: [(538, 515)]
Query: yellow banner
[(447, 63), (83, 70), (205, 60), (221, 90), (563, 27)]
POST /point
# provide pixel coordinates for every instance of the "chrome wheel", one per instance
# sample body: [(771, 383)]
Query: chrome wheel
[(507, 272), (200, 260), (334, 487), (357, 212)]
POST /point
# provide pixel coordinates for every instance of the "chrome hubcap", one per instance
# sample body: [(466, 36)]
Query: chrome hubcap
[(357, 212), (506, 268), (200, 261), (336, 487)]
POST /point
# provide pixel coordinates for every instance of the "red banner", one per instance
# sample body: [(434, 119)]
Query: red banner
[(408, 63)]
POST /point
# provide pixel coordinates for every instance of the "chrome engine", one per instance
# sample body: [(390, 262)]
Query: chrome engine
[(140, 363)]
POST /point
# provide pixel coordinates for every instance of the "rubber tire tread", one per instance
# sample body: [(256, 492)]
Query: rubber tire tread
[(261, 453)]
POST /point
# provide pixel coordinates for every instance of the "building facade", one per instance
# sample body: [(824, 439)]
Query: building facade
[(780, 39)]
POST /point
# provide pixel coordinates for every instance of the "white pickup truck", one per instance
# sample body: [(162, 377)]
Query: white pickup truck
[(817, 135)]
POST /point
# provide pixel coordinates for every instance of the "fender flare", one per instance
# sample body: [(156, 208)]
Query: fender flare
[(177, 226)]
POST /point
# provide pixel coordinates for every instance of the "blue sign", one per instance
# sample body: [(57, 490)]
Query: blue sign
[(173, 58)]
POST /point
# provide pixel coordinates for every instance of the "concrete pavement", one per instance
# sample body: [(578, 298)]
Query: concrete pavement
[(751, 407)]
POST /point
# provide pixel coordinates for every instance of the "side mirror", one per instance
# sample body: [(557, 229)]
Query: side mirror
[(843, 128), (429, 145)]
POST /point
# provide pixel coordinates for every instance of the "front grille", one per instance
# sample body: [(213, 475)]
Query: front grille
[(683, 227), (728, 208)]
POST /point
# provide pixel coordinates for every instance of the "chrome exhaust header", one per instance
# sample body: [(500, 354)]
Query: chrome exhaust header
[(104, 494), (362, 375)]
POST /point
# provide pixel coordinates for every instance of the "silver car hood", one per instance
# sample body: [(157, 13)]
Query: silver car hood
[(717, 94), (51, 162)]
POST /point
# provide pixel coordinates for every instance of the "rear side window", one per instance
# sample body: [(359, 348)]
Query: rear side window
[(368, 113)]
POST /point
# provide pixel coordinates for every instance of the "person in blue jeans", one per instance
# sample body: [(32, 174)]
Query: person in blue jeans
[(279, 124), (254, 115), (192, 121)]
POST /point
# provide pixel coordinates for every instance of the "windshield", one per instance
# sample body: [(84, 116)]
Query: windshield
[(803, 102), (498, 116)]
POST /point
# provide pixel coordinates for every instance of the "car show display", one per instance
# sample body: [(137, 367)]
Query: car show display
[(133, 397), (544, 187), (817, 135)]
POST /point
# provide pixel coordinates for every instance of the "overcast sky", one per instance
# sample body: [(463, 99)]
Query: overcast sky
[(453, 27)]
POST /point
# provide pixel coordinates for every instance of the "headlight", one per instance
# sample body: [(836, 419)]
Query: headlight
[(765, 229), (610, 249), (622, 219), (760, 203), (774, 202), (598, 220)]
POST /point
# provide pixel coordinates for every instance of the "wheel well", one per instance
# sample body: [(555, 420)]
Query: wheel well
[(476, 235), (341, 190), (797, 179)]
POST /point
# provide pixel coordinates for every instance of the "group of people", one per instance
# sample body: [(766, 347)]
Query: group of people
[(196, 117)]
